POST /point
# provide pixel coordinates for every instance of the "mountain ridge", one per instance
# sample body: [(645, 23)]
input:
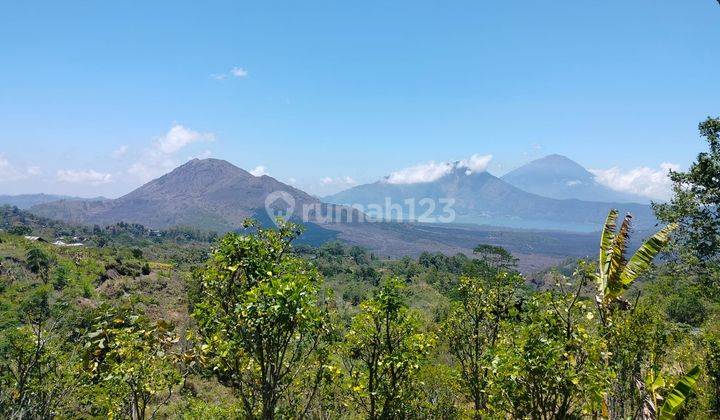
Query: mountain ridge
[(557, 176), (483, 198)]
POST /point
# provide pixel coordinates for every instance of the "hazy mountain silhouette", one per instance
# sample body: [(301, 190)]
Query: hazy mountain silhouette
[(25, 201), (557, 176), (482, 198), (214, 194)]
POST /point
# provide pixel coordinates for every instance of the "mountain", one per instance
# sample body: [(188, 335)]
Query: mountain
[(214, 194), (207, 194), (482, 198), (25, 201), (557, 176)]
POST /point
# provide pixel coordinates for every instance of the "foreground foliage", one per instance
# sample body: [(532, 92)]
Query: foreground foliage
[(145, 324)]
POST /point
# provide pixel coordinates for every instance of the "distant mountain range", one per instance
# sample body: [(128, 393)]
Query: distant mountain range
[(214, 194), (556, 176), (25, 201), (207, 194), (482, 198)]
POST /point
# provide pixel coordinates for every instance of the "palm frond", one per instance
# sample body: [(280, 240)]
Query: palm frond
[(617, 258), (606, 242), (679, 394), (643, 257)]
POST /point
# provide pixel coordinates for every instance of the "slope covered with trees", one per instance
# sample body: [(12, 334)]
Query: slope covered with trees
[(140, 323)]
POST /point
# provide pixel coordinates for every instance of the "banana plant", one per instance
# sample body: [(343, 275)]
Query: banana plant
[(615, 272), (674, 400)]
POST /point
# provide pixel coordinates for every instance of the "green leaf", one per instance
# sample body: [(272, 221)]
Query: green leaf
[(617, 258), (641, 260), (606, 241), (680, 393)]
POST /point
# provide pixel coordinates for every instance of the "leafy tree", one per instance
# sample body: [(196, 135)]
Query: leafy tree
[(61, 277), (712, 366), (36, 361), (20, 230), (38, 262), (696, 200), (550, 364), (260, 320), (130, 365), (636, 344), (384, 351), (497, 258), (473, 329)]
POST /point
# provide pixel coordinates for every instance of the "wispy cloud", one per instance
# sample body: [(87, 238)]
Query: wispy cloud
[(648, 182), (431, 171), (259, 170), (202, 155), (120, 152), (161, 156), (339, 181), (11, 172), (179, 136), (88, 176), (237, 72)]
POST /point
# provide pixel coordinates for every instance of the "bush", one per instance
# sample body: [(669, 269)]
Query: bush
[(686, 308), (20, 230)]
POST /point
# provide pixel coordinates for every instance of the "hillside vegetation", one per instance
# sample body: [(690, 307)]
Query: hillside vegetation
[(139, 323)]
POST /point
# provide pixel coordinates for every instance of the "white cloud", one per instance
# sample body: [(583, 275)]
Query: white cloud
[(120, 152), (202, 155), (573, 183), (239, 72), (259, 171), (645, 181), (431, 171), (34, 170), (476, 163), (340, 181), (178, 137), (161, 156), (10, 172), (89, 176)]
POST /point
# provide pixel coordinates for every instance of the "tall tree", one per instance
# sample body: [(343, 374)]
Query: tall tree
[(473, 329), (260, 319), (695, 205), (385, 349), (38, 262)]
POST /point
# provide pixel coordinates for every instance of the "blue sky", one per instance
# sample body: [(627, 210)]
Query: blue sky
[(98, 97)]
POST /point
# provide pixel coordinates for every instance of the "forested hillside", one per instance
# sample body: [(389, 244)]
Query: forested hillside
[(121, 321)]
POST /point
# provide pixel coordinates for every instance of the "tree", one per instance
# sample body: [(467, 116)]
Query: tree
[(497, 258), (674, 400), (384, 350), (38, 262), (129, 364), (549, 365), (20, 230), (634, 340), (696, 200), (616, 273), (260, 319), (36, 360), (473, 329)]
